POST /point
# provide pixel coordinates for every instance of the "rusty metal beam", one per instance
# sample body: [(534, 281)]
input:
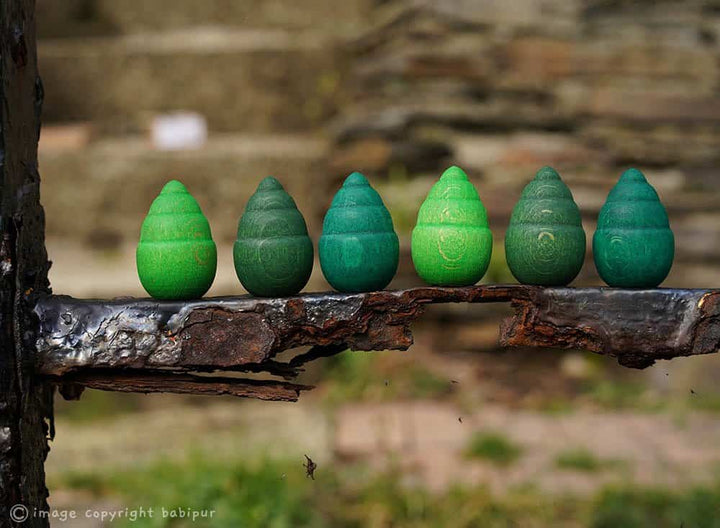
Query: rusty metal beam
[(638, 327), (151, 338), (231, 332)]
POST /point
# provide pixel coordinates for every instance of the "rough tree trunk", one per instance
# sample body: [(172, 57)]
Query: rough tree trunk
[(25, 402)]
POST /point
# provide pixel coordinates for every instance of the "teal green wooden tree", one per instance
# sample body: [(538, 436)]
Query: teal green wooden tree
[(176, 257), (273, 253), (451, 242), (545, 241), (359, 249), (633, 246)]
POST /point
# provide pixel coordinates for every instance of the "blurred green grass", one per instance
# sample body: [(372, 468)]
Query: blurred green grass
[(584, 460), (647, 508), (379, 376), (277, 494), (96, 406), (493, 447)]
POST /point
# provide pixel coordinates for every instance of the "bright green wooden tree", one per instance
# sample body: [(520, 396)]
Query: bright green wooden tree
[(451, 242), (176, 257)]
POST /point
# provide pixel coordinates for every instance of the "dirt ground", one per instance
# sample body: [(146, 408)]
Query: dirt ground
[(425, 437)]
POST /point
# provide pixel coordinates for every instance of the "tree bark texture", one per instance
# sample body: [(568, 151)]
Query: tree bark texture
[(25, 401)]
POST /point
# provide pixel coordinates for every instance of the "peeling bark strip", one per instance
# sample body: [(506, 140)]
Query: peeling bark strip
[(181, 384), (245, 333), (25, 401)]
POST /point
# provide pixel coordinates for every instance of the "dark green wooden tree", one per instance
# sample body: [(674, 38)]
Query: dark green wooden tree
[(633, 246), (545, 241), (359, 249), (273, 253)]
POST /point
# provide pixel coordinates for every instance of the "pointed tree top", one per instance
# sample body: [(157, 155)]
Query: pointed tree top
[(269, 184), (174, 215), (269, 195), (173, 187), (633, 187), (547, 173), (546, 200), (355, 179), (356, 191), (174, 198), (454, 173), (453, 185), (547, 184), (453, 199), (633, 175)]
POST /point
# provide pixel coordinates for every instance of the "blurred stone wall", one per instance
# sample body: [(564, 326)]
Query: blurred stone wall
[(309, 91), (504, 87)]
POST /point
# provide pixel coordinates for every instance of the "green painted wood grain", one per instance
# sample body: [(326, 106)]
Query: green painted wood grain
[(545, 241), (176, 257), (633, 245), (358, 248), (451, 241), (273, 254)]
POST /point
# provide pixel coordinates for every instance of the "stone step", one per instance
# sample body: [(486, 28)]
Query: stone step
[(240, 80), (93, 17), (99, 194)]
